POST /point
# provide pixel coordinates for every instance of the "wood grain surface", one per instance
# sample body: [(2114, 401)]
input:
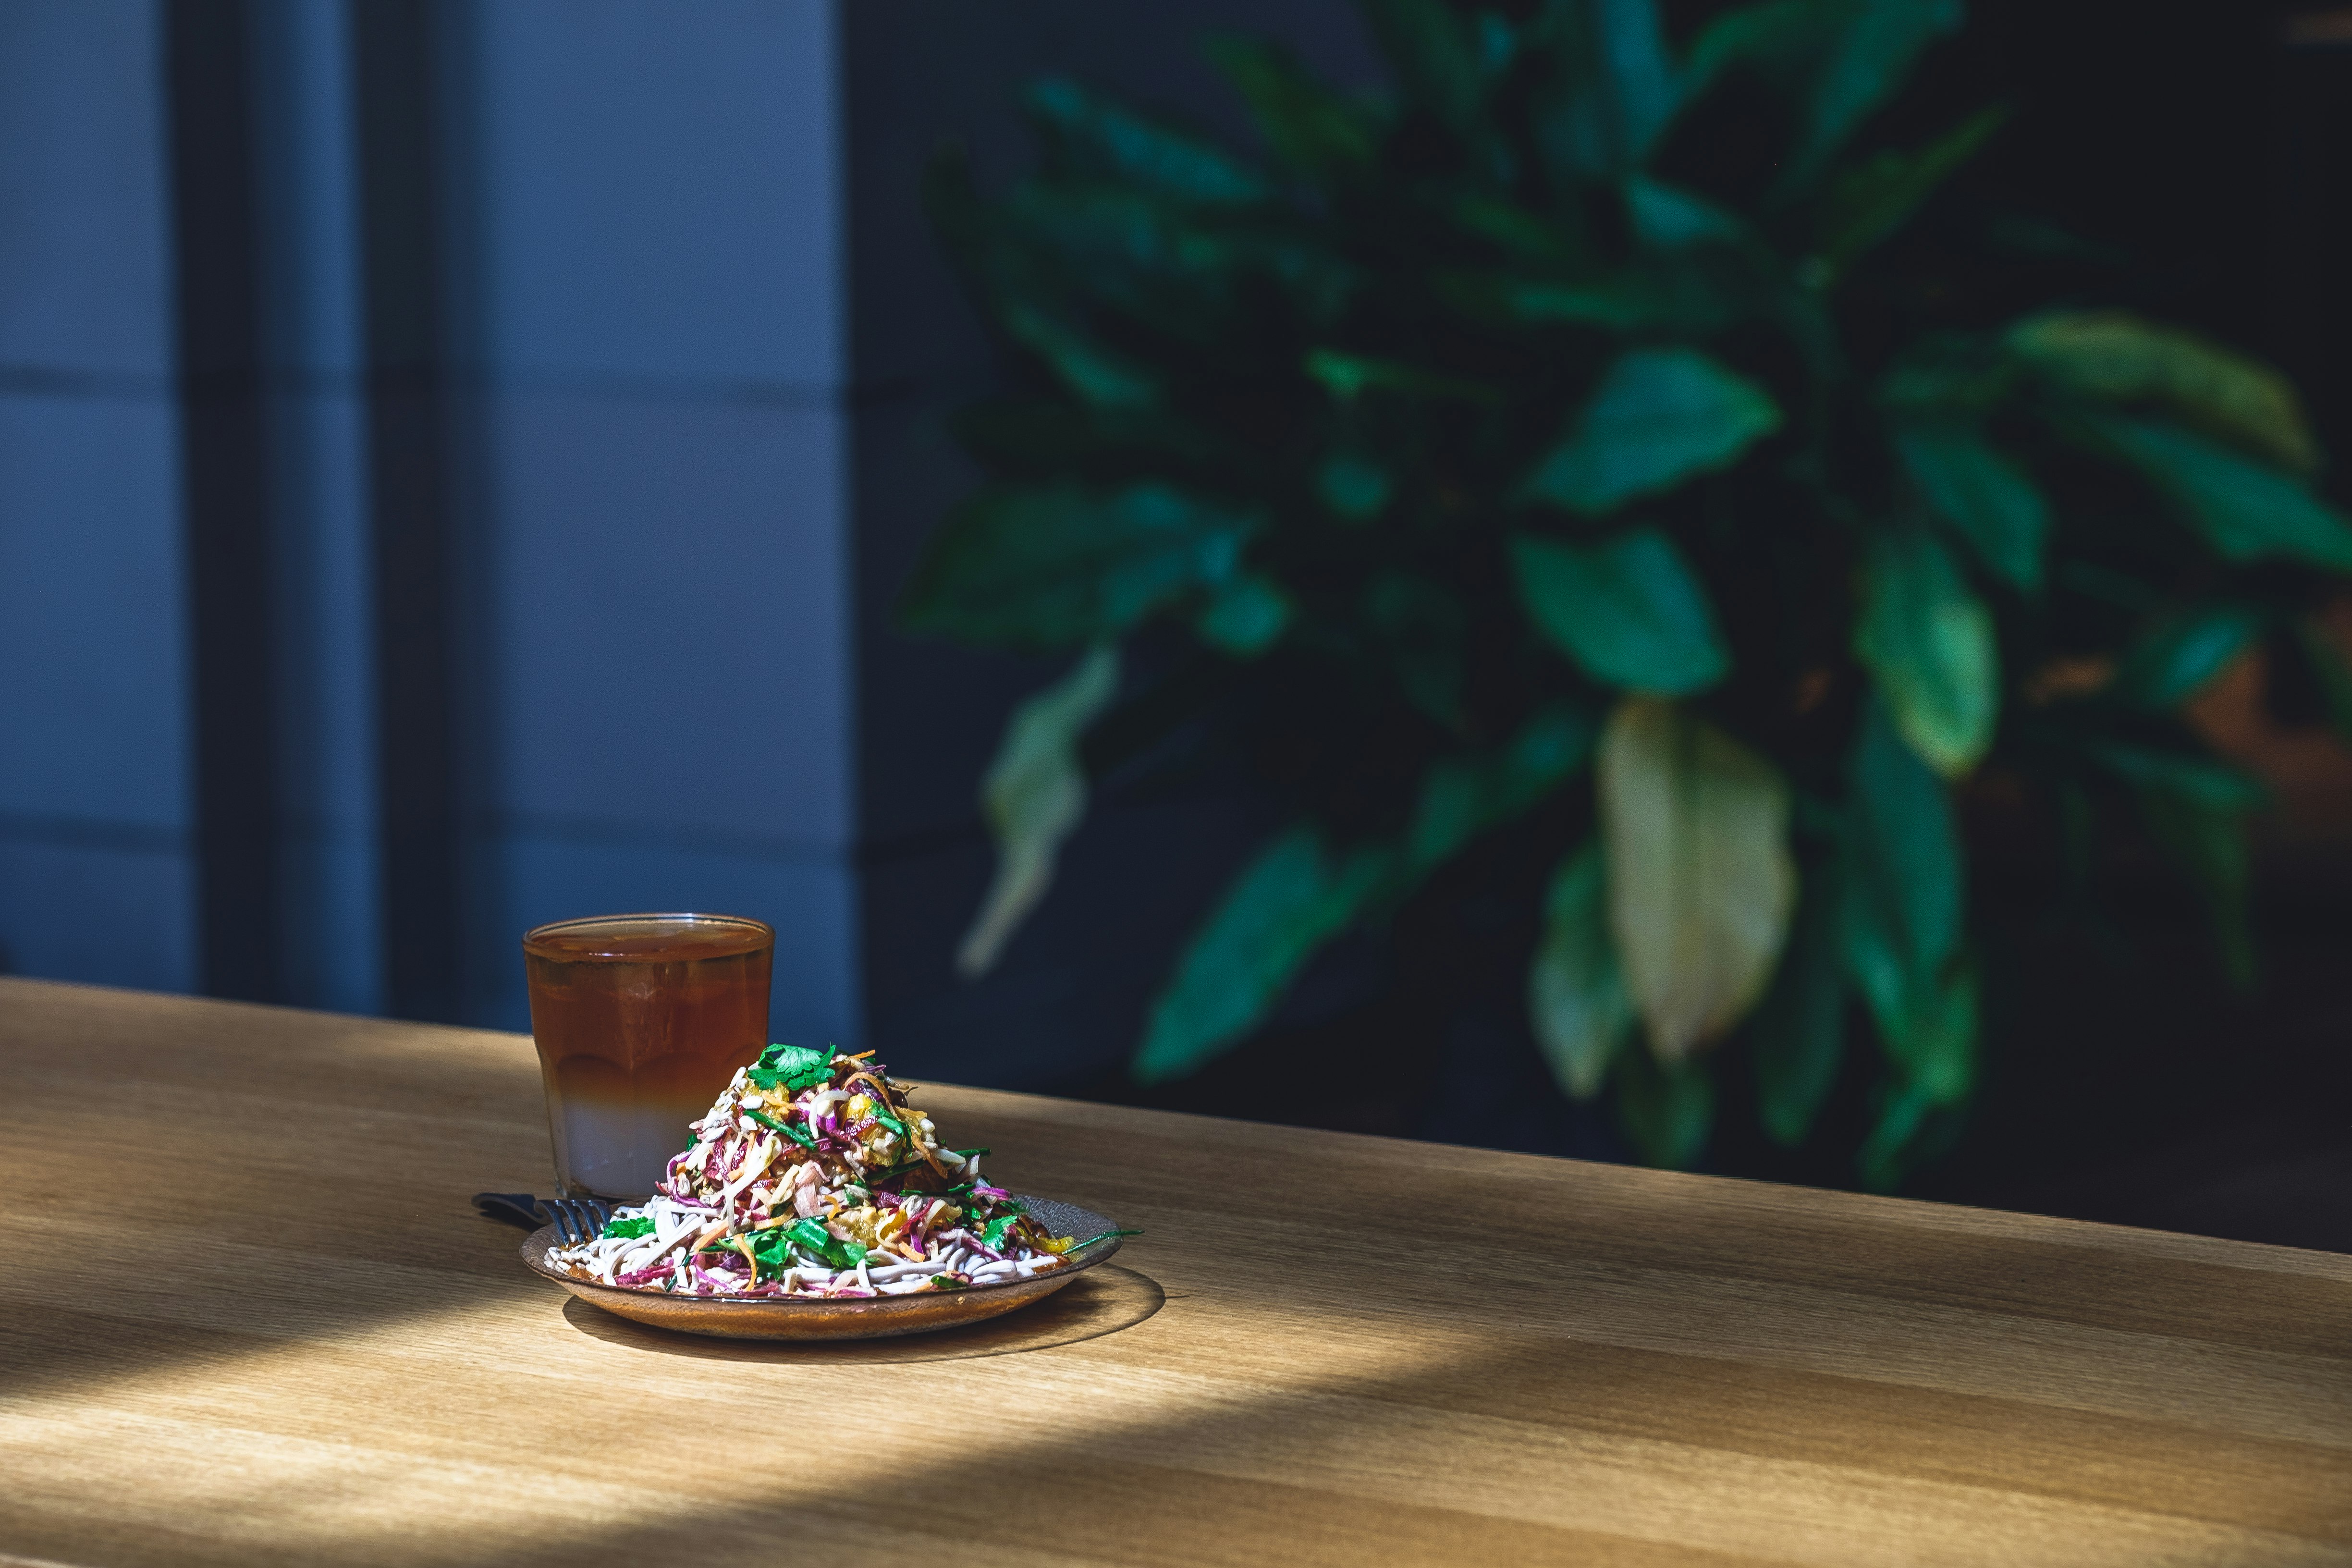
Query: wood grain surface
[(250, 1318)]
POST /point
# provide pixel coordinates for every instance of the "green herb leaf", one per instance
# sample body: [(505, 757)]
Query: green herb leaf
[(1059, 567), (813, 1239), (636, 1226), (1296, 894), (1576, 998), (1658, 418), (1034, 795), (991, 1234), (1627, 610), (797, 1133), (1987, 499), (1930, 643), (1695, 833), (794, 1067), (1078, 1246), (949, 1282)]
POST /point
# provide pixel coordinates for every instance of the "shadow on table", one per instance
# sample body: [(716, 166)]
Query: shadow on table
[(1100, 1302)]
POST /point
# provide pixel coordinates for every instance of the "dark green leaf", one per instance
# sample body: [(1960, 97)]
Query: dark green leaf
[(1057, 568), (2334, 671), (1614, 91), (1033, 797), (1462, 797), (1100, 136), (1425, 633), (1691, 291), (1667, 217), (2246, 511), (1350, 377), (1926, 1094), (1994, 506), (1903, 887), (1929, 642), (1576, 998), (1246, 616), (1316, 130), (1354, 487), (2115, 357), (1666, 1111), (1839, 59), (1628, 610), (1658, 418), (636, 1226), (2168, 666), (1800, 1028), (2201, 781), (1295, 895), (1056, 439), (1028, 311), (1434, 61), (2208, 844), (1875, 200)]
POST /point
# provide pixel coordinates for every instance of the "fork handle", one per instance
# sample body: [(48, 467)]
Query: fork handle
[(515, 1208)]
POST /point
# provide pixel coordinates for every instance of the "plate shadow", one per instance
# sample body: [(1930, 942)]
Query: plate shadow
[(1101, 1302)]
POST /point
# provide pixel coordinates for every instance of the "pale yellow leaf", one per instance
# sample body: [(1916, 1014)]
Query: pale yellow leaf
[(1034, 795), (1701, 884)]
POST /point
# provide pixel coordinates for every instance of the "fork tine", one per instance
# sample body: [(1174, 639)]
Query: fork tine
[(566, 1225), (578, 1211), (602, 1212)]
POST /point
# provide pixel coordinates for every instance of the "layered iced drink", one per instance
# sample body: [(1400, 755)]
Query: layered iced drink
[(640, 1021)]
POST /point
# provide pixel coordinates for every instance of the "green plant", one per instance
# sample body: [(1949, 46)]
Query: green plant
[(1579, 434)]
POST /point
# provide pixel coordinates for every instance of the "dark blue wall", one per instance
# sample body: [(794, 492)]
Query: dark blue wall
[(96, 857), (602, 360)]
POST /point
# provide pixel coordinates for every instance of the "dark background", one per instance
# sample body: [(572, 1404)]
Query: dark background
[(456, 462)]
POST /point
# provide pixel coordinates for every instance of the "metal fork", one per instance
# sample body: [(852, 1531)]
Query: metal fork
[(575, 1219)]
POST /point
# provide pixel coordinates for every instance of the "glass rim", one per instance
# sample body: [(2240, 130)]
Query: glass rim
[(534, 940)]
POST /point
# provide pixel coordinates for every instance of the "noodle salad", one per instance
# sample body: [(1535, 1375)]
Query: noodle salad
[(812, 1176)]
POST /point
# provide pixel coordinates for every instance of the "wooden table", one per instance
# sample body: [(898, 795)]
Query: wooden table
[(251, 1318)]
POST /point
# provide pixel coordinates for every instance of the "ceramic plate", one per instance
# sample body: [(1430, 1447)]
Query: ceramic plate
[(864, 1318)]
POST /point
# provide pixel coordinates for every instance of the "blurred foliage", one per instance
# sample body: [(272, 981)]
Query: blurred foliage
[(1583, 431)]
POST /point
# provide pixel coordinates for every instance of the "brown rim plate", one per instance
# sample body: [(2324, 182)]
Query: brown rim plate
[(866, 1318)]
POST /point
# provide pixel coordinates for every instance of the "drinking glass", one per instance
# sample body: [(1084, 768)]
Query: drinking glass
[(640, 1021)]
